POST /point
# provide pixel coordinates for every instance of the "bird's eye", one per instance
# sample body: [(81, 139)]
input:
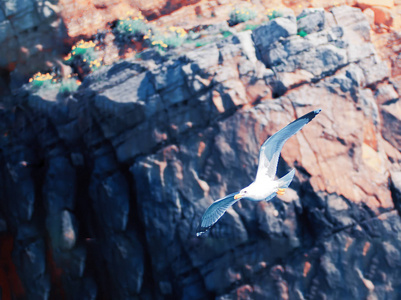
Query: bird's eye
[(245, 192)]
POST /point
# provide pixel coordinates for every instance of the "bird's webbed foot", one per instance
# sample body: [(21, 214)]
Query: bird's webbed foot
[(281, 192)]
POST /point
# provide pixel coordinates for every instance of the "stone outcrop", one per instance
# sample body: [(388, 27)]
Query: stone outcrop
[(28, 31), (102, 190)]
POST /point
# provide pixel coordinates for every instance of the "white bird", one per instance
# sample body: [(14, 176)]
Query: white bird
[(265, 187)]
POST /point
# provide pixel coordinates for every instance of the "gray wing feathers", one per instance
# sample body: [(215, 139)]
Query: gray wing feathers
[(215, 212), (285, 181), (271, 148)]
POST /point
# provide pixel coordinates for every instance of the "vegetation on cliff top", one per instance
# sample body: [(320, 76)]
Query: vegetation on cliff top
[(133, 33)]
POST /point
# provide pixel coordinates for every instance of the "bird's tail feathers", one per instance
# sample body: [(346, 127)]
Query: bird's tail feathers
[(285, 181)]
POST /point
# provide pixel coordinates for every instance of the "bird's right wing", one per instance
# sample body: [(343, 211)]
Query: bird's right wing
[(214, 213), (271, 148)]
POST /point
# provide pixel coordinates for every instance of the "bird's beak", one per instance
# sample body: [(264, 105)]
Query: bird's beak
[(238, 196)]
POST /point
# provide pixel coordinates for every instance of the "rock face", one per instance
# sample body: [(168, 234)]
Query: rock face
[(28, 31), (33, 32), (102, 190)]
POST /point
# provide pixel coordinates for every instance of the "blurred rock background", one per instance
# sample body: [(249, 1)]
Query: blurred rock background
[(109, 160)]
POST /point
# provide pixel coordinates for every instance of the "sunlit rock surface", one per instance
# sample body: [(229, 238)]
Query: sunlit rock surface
[(101, 191)]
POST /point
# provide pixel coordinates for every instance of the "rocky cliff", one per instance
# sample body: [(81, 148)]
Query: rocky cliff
[(102, 190)]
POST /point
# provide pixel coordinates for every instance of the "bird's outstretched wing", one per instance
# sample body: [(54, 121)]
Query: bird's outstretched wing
[(271, 148), (214, 213)]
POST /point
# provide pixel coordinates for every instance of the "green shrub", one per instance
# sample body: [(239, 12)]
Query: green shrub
[(39, 79), (69, 85), (50, 81), (134, 27), (240, 15), (274, 14), (84, 53), (173, 37)]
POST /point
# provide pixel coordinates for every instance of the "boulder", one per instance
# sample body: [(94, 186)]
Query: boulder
[(311, 20), (382, 15), (265, 35)]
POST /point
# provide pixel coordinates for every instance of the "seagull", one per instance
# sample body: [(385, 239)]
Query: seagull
[(265, 187)]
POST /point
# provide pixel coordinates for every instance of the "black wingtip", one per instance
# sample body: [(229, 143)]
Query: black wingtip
[(309, 116)]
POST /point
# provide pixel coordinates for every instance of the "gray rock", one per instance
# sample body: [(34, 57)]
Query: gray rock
[(62, 230), (217, 28), (110, 198), (358, 52), (395, 186), (311, 20), (6, 55), (247, 45), (356, 74), (330, 58), (369, 106), (142, 139), (374, 70), (124, 260), (353, 21), (2, 16), (345, 84), (25, 20), (68, 232), (168, 76), (386, 94), (48, 11), (320, 61), (391, 124), (356, 31), (130, 103), (6, 31), (203, 58), (12, 7), (19, 193), (60, 186), (266, 35), (30, 261)]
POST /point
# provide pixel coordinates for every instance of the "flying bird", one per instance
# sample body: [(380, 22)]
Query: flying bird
[(265, 187)]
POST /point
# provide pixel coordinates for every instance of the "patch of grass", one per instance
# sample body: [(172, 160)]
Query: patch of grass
[(39, 79), (84, 54), (274, 14), (132, 27), (240, 15), (69, 85), (251, 27), (302, 33), (137, 28), (226, 33), (173, 37), (201, 43), (301, 17), (51, 81)]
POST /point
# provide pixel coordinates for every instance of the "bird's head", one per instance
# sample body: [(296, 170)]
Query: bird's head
[(242, 194)]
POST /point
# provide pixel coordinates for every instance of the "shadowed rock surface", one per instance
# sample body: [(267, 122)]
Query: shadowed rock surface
[(102, 190)]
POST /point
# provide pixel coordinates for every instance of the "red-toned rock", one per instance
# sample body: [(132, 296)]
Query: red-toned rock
[(369, 3), (383, 15)]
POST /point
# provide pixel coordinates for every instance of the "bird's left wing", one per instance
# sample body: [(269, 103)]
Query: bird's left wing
[(271, 148), (214, 213)]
